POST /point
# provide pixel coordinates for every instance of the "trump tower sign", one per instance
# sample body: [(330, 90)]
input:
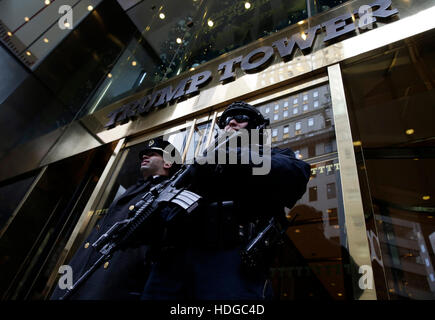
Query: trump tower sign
[(257, 60)]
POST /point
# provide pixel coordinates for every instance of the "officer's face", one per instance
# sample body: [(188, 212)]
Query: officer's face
[(153, 164), (233, 125)]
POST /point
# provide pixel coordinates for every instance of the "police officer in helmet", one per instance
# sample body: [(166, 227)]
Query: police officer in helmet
[(200, 257)]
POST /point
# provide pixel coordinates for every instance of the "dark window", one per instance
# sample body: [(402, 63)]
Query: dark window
[(330, 191), (311, 150), (328, 147), (332, 213), (312, 194)]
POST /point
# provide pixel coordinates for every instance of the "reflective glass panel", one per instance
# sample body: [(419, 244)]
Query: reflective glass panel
[(391, 100), (178, 36), (315, 263), (318, 6)]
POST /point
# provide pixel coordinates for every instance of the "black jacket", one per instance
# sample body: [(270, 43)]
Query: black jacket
[(253, 198), (126, 273)]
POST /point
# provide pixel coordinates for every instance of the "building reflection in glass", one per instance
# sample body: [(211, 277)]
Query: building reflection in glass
[(314, 264)]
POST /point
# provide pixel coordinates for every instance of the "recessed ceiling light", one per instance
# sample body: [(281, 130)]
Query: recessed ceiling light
[(247, 5), (9, 34), (28, 53), (179, 40), (133, 63), (47, 2), (26, 19), (162, 15), (46, 40), (109, 75), (210, 23), (90, 8)]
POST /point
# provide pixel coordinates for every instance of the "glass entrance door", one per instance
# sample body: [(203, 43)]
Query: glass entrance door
[(391, 101), (314, 261)]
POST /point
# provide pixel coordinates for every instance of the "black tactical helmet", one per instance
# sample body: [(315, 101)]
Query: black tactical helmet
[(243, 108)]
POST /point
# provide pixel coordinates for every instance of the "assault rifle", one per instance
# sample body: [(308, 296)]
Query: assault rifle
[(119, 235), (169, 191)]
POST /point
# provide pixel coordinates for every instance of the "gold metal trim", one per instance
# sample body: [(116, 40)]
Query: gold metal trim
[(159, 131), (189, 139), (97, 197), (353, 207), (211, 129), (198, 147)]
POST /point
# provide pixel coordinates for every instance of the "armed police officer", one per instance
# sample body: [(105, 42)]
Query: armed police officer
[(123, 277), (201, 254)]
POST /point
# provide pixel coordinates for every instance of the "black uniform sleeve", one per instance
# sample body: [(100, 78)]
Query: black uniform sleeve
[(281, 181), (287, 180)]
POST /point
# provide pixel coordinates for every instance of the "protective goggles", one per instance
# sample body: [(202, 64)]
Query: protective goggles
[(239, 118)]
